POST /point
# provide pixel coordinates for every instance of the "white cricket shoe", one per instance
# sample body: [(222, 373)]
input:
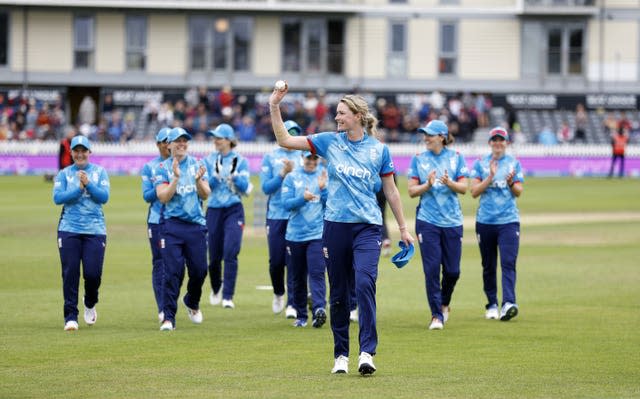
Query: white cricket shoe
[(445, 313), (215, 299), (228, 304), (492, 313), (278, 303), (509, 311), (341, 365), (90, 315), (291, 313), (353, 315), (167, 326), (365, 364), (195, 315), (71, 325), (300, 323), (436, 324), (160, 317)]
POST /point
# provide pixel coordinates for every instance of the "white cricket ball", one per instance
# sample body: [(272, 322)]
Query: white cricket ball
[(280, 85)]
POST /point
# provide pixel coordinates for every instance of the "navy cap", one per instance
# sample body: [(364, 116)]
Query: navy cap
[(307, 154), (177, 132), (292, 125), (498, 132), (223, 131), (80, 140), (435, 128), (404, 256), (163, 135)]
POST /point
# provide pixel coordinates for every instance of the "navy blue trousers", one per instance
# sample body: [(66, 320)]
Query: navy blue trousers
[(278, 258), (439, 247), (75, 248), (225, 227), (157, 271), (307, 263), (352, 251), (504, 238), (184, 243)]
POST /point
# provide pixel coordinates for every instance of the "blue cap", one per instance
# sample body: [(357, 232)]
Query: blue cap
[(435, 128), (177, 132), (292, 125), (307, 154), (498, 132), (404, 256), (163, 135), (223, 131), (80, 140)]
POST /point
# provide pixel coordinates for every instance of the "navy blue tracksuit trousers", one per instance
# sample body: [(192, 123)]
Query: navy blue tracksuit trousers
[(306, 260), (225, 226), (504, 238), (184, 243), (278, 258), (352, 251), (439, 246), (75, 248), (157, 272)]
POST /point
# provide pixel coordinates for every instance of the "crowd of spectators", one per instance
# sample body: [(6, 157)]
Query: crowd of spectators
[(201, 109), (31, 119)]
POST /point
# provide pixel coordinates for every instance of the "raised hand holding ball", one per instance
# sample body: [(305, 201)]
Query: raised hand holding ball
[(280, 85)]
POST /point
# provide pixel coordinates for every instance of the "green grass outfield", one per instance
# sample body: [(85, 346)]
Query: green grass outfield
[(577, 334)]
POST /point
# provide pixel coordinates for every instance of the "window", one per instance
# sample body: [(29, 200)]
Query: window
[(4, 38), (291, 34), (136, 42), (448, 57), (198, 42), (83, 42), (565, 50), (336, 47), (220, 43), (397, 58), (242, 33), (313, 46), (315, 30)]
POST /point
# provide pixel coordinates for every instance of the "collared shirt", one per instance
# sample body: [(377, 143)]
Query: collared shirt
[(497, 203), (271, 181), (148, 175), (439, 205), (226, 187), (306, 220), (185, 203), (82, 208), (353, 168)]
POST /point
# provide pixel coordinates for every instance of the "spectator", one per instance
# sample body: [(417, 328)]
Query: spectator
[(564, 133), (546, 137), (619, 142), (87, 111), (247, 129), (64, 154), (580, 135)]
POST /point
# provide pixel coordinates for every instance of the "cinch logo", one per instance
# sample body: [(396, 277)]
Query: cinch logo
[(182, 190), (499, 183), (353, 171)]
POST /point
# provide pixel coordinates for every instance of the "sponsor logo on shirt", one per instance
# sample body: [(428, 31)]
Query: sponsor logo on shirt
[(186, 189), (353, 171)]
